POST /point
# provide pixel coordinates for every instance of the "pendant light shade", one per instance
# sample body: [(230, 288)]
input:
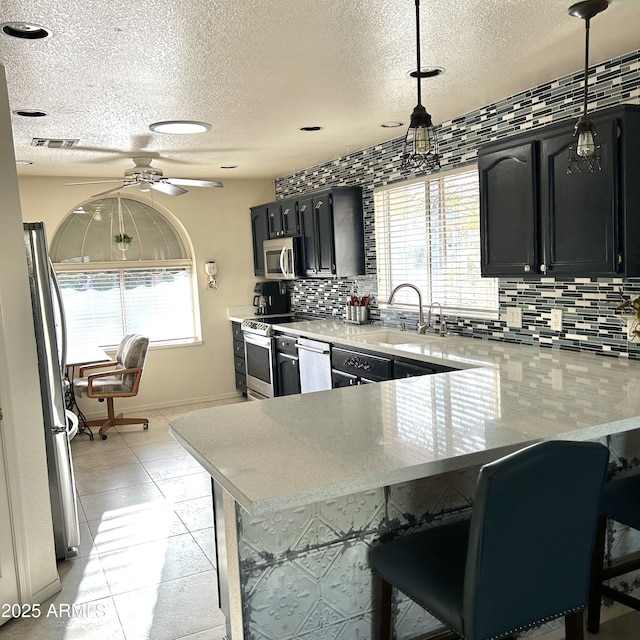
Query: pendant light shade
[(420, 152), (584, 152)]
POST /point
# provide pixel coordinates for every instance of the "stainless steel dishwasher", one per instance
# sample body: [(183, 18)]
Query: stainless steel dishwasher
[(314, 361)]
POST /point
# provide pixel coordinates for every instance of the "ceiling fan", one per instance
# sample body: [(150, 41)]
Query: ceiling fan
[(146, 177)]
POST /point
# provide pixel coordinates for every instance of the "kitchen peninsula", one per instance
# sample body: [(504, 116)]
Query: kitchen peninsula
[(305, 484)]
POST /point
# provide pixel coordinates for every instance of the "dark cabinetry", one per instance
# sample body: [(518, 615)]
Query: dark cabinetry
[(535, 219), (352, 367), (239, 358), (283, 218), (259, 233), (287, 365), (330, 224), (332, 233), (409, 368)]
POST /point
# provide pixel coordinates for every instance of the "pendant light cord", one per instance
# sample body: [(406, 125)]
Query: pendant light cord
[(586, 65), (418, 70)]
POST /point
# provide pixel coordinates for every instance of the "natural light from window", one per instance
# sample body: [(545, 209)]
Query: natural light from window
[(124, 268), (428, 234)]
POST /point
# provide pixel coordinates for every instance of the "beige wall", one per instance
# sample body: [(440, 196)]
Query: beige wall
[(218, 223)]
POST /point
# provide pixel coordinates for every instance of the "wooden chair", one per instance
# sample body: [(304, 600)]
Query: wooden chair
[(121, 380), (522, 558)]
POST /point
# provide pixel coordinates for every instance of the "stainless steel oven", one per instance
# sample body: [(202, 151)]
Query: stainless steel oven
[(260, 359)]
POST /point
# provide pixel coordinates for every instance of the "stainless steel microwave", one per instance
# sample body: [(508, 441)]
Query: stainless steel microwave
[(281, 258)]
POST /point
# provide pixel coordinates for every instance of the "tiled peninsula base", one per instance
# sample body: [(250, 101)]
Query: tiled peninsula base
[(304, 573)]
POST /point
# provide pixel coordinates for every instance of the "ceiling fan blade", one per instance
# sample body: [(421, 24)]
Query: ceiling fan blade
[(167, 188), (188, 182), (122, 186), (74, 184)]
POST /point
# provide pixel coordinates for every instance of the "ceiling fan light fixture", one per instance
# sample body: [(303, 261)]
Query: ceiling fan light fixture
[(584, 152), (420, 151), (30, 113), (180, 127), (391, 124)]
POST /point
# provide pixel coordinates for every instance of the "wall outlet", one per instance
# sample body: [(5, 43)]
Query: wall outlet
[(632, 324), (514, 317), (556, 319)]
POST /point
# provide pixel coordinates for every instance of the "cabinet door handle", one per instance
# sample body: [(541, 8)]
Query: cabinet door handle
[(543, 268), (527, 267)]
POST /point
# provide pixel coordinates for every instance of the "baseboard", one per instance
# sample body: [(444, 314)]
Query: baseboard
[(47, 592), (141, 408)]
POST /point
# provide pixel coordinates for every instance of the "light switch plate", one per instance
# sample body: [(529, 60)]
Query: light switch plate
[(514, 317), (556, 319)]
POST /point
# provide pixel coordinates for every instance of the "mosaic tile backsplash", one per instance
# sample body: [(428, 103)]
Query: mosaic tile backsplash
[(590, 322)]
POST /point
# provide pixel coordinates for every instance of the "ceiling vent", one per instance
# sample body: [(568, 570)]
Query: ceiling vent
[(55, 143)]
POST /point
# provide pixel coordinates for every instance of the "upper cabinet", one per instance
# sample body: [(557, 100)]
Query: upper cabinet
[(330, 223), (536, 219), (259, 233), (283, 219)]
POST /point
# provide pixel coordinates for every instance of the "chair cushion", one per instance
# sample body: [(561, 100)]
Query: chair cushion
[(108, 384), (428, 566), (620, 500)]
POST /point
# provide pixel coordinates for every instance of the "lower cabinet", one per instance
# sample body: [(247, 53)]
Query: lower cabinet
[(238, 358), (405, 368), (287, 365), (352, 367)]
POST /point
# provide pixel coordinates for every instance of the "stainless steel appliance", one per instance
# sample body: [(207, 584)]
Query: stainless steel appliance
[(270, 298), (314, 364), (260, 363), (281, 258), (60, 425)]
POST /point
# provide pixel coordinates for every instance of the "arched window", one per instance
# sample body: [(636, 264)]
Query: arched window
[(124, 267)]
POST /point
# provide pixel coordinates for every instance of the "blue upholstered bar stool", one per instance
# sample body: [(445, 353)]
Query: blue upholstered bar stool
[(620, 501), (524, 556)]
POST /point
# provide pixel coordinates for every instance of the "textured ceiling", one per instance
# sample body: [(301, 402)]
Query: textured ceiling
[(258, 70)]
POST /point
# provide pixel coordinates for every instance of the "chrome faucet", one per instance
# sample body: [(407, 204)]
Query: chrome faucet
[(442, 324), (422, 327)]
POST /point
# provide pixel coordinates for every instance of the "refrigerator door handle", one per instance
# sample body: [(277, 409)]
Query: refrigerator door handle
[(63, 318)]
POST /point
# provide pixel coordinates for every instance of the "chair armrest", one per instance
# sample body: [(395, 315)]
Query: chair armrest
[(96, 365), (112, 394)]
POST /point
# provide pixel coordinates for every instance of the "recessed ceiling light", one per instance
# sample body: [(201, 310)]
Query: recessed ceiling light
[(426, 72), (229, 166), (316, 128), (25, 30), (180, 126), (30, 113), (391, 124), (24, 162)]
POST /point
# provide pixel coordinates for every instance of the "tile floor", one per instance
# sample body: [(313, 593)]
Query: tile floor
[(146, 567)]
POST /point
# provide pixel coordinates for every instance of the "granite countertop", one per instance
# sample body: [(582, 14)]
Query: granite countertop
[(289, 451)]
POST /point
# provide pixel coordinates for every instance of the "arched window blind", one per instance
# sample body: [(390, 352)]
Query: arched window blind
[(428, 234), (124, 268)]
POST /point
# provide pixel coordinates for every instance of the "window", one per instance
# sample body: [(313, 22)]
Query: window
[(143, 284), (428, 234)]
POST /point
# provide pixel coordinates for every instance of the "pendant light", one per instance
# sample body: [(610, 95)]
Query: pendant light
[(584, 152), (420, 152)]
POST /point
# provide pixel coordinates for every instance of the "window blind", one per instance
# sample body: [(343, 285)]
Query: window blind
[(103, 306), (428, 233)]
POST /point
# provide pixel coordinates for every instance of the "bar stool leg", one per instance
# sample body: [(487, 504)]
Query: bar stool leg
[(595, 587), (574, 626), (383, 622)]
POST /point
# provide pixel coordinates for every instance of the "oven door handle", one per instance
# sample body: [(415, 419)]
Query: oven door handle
[(305, 348), (260, 341)]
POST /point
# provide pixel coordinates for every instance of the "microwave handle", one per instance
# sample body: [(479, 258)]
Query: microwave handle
[(283, 268)]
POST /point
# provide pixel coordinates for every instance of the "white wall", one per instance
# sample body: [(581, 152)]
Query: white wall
[(23, 430), (218, 223)]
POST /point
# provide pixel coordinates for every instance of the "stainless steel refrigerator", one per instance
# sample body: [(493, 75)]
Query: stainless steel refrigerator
[(60, 425)]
